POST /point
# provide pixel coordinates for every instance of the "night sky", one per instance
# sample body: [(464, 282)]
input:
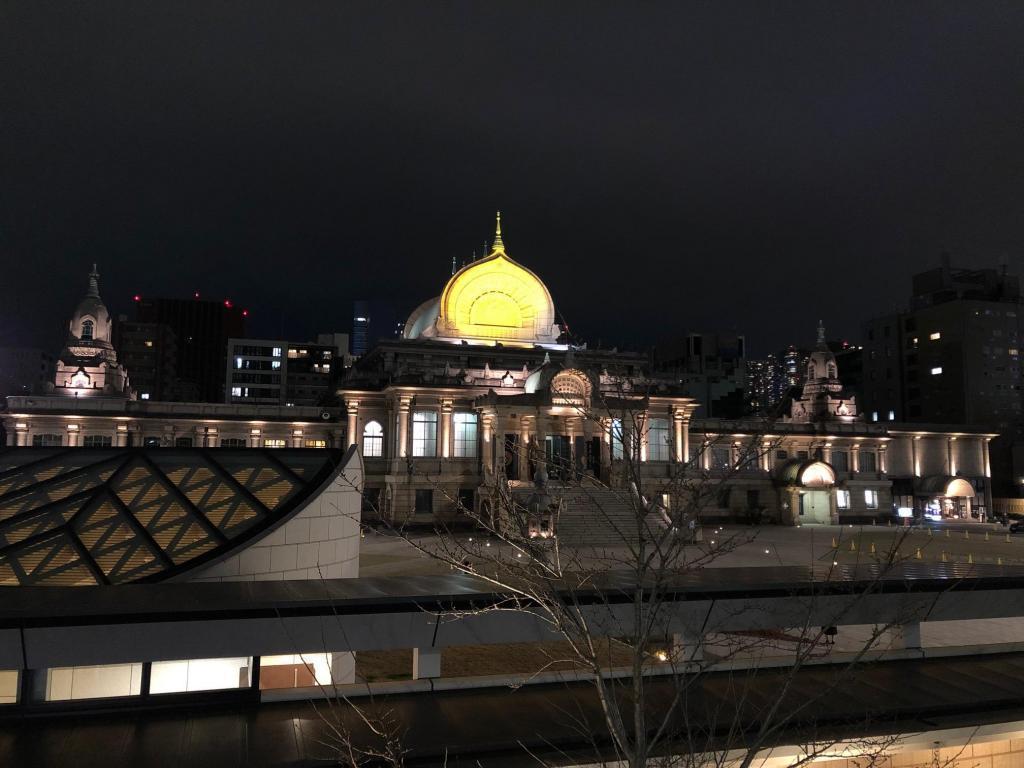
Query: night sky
[(662, 166)]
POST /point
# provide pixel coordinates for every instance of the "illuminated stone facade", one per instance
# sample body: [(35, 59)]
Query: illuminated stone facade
[(88, 367)]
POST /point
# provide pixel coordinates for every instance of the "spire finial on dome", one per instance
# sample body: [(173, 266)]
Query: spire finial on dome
[(498, 244), (94, 282)]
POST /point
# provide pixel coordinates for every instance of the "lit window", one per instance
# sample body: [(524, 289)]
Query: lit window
[(936, 370), (144, 396), (238, 362), (843, 499), (148, 343), (617, 448), (276, 352), (465, 434), (93, 682), (275, 364), (874, 415), (935, 336), (236, 391), (87, 329), (657, 440), (424, 433), (892, 415), (273, 442), (199, 675), (316, 443), (9, 686), (871, 499), (373, 440)]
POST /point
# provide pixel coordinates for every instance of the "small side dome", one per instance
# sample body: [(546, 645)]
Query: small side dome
[(421, 321)]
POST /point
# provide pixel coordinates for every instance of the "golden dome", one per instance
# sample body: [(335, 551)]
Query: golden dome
[(495, 299)]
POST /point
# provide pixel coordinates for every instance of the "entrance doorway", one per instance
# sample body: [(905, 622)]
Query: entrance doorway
[(815, 507), (558, 452)]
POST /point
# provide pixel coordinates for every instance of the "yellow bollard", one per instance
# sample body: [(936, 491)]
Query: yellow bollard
[(853, 545), (929, 531), (986, 535), (917, 555), (967, 535), (888, 523), (947, 533), (970, 557), (872, 547), (943, 555), (835, 544), (999, 561), (1007, 538)]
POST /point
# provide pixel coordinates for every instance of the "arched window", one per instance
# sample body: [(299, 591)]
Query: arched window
[(87, 327), (373, 440)]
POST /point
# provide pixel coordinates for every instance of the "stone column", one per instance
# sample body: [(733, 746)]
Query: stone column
[(854, 458), (296, 438), (73, 432), (988, 458), (487, 422), (121, 436), (212, 437), (641, 423), (950, 459), (446, 428), (826, 454), (766, 455), (914, 461), (606, 445), (352, 433), (21, 433), (883, 459), (524, 448), (541, 436), (677, 435), (404, 403)]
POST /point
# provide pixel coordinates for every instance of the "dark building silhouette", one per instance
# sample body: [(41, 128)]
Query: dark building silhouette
[(149, 352), (953, 357), (710, 367), (202, 329), (25, 371)]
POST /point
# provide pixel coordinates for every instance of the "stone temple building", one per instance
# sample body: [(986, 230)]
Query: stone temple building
[(484, 389), (485, 394)]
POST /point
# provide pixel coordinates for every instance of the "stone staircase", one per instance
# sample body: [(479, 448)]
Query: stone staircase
[(594, 516)]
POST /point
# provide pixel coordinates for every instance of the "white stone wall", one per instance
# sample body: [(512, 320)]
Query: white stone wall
[(320, 542)]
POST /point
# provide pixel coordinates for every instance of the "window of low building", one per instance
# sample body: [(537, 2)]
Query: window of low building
[(424, 433), (47, 440), (658, 447), (868, 461), (721, 458), (424, 500), (618, 451), (233, 442), (315, 443), (303, 670), (373, 440), (200, 675), (273, 442), (97, 441), (465, 425), (840, 461), (465, 500), (183, 442), (93, 682), (871, 499), (842, 499), (9, 680)]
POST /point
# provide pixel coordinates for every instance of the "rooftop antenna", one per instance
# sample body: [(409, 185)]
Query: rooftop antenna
[(498, 244), (453, 265)]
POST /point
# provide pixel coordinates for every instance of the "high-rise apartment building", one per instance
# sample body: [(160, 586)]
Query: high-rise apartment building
[(273, 371), (202, 329)]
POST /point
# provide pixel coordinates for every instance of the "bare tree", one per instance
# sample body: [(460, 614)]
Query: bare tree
[(616, 607)]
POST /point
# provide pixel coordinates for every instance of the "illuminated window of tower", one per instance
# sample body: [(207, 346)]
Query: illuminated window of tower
[(87, 329)]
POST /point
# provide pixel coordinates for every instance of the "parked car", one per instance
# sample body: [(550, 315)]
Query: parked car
[(1017, 527)]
